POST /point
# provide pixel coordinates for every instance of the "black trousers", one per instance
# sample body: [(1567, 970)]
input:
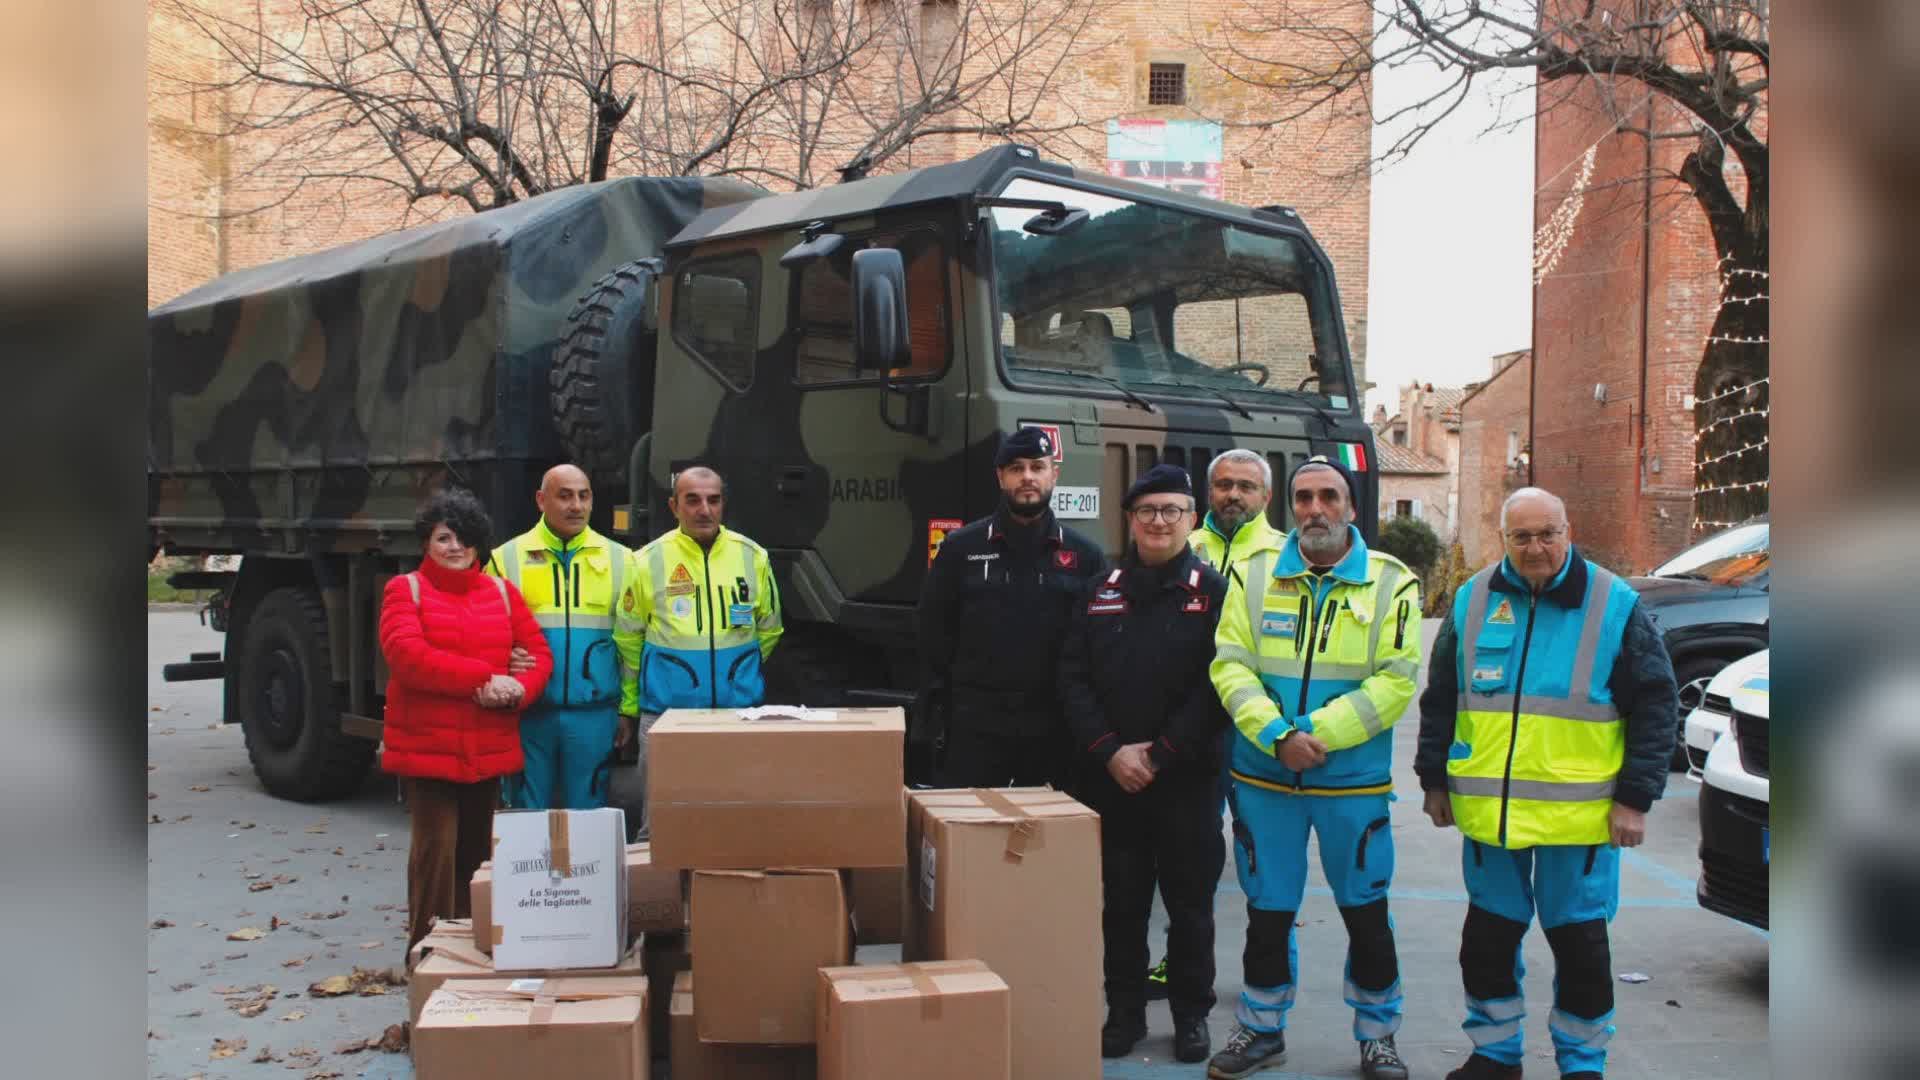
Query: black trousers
[(1167, 836), (986, 759)]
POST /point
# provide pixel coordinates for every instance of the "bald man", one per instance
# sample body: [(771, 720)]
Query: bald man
[(578, 585)]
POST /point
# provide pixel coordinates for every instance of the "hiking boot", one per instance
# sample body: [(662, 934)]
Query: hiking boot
[(1124, 1028), (1584, 1074), (1480, 1067), (1191, 1040), (1157, 982), (1380, 1060), (1247, 1052)]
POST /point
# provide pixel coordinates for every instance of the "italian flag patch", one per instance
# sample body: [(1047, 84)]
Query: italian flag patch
[(1352, 455)]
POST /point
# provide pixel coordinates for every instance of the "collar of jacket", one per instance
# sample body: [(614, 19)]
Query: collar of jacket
[(1568, 588), (1255, 530), (1053, 533), (585, 538), (1180, 572), (1354, 568), (677, 537), (446, 580)]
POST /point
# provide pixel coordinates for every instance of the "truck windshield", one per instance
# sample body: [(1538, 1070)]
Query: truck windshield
[(1166, 303)]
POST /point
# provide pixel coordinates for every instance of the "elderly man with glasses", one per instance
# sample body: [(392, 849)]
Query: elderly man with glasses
[(1133, 683), (1545, 732)]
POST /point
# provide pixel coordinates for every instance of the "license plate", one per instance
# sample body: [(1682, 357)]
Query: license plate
[(1076, 502)]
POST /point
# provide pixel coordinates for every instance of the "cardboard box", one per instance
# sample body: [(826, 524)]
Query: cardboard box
[(759, 940), (1012, 878), (734, 789), (878, 898), (586, 1028), (941, 1020), (444, 958), (655, 898), (559, 896), (664, 955), (441, 932), (695, 1060)]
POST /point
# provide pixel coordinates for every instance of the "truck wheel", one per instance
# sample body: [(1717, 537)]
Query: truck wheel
[(602, 377), (287, 706)]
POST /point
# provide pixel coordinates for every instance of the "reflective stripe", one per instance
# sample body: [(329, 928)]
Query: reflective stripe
[(1242, 697), (1256, 594), (1482, 590), (1591, 1033), (668, 639), (1236, 655), (1499, 1010), (1357, 996), (1488, 1034), (1382, 596), (619, 557), (1406, 669), (1598, 712), (657, 572), (560, 620), (513, 562), (1599, 585), (1291, 667), (1537, 790), (1366, 1027), (747, 558), (1264, 1010), (1369, 713)]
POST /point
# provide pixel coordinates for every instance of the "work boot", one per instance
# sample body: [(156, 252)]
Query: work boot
[(1481, 1067), (1247, 1052), (1124, 1028), (1157, 982), (1584, 1074), (1191, 1040), (1380, 1060)]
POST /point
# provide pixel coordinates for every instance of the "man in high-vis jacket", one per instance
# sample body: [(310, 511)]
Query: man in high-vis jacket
[(707, 609), (1315, 660), (574, 581), (1545, 732)]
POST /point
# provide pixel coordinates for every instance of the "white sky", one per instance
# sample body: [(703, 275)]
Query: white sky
[(1451, 243)]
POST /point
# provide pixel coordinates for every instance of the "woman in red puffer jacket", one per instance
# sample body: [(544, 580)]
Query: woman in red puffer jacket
[(453, 709)]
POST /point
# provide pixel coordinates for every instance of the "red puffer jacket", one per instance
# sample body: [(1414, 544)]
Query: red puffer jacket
[(438, 653)]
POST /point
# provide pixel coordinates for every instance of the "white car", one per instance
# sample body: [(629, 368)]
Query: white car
[(1708, 720), (1736, 836)]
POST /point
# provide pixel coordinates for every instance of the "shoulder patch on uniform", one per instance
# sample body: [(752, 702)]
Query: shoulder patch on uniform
[(1196, 604), (1279, 585), (536, 557), (1502, 615), (680, 582), (1066, 559)]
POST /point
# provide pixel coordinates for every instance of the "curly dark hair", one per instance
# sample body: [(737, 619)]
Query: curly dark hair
[(462, 512)]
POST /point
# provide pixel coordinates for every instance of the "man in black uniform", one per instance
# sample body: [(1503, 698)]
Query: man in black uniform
[(992, 613), (1134, 684)]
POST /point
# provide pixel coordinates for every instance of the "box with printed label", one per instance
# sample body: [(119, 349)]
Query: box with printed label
[(456, 957), (693, 1059), (563, 1027), (759, 940), (559, 895), (776, 786), (940, 1020), (655, 899), (1012, 878)]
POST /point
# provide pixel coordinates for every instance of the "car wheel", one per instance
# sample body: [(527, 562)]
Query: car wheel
[(1693, 675)]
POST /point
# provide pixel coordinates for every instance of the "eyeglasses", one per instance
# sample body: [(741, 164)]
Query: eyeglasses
[(1524, 539), (1146, 515)]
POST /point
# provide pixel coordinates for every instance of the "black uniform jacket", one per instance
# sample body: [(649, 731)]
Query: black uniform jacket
[(992, 613), (1134, 666)]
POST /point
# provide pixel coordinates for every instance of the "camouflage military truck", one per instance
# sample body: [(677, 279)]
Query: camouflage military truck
[(848, 358)]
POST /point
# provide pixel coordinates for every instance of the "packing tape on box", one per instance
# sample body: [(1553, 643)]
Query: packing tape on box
[(1026, 834), (916, 976), (559, 850)]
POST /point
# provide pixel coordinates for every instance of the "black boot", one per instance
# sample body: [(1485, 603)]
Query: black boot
[(1124, 1028), (1479, 1067), (1247, 1052), (1191, 1040)]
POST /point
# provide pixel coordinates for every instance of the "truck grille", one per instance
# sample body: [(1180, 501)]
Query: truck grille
[(1733, 887), (1750, 735)]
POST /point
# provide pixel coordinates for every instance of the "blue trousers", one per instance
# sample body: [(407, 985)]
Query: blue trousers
[(569, 758), (1575, 891), (1356, 852)]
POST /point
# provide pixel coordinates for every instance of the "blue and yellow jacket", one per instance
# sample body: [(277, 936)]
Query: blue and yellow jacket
[(573, 587), (709, 617), (1335, 655)]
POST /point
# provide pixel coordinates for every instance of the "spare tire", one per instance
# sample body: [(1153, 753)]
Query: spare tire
[(601, 385)]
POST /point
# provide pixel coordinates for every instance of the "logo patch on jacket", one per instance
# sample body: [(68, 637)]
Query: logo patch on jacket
[(1502, 615), (680, 582), (626, 602), (1489, 674), (1066, 560), (536, 558), (1279, 624), (1195, 604), (1108, 601), (1278, 585)]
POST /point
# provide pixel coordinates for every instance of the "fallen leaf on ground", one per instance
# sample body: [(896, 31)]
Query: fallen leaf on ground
[(351, 1047), (178, 987), (265, 1055), (273, 923), (259, 886), (160, 924), (251, 1009), (323, 1074), (319, 827), (154, 819), (383, 907), (395, 1039), (331, 986), (296, 1014), (153, 795), (247, 933), (199, 787), (296, 961), (324, 914), (371, 944), (235, 956), (226, 1048)]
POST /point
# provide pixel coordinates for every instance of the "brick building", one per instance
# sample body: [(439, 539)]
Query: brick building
[(1419, 450), (1493, 452), (1139, 72)]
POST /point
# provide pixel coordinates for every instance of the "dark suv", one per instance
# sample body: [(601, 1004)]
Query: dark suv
[(1712, 607)]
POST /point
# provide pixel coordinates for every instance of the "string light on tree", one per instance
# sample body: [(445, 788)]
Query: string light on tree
[(1732, 467), (1550, 240)]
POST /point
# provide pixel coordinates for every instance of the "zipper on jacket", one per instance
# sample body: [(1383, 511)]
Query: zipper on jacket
[(566, 617), (1513, 734), (706, 593), (1306, 674)]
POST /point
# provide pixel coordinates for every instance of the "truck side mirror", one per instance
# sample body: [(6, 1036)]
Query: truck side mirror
[(880, 338)]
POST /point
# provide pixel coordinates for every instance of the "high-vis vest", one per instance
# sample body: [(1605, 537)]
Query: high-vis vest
[(710, 617), (1537, 740), (571, 587), (1333, 655), (1228, 554)]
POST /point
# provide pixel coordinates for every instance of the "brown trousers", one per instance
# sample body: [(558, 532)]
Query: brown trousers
[(452, 836)]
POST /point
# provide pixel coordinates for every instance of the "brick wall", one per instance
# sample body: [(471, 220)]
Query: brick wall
[(1488, 418)]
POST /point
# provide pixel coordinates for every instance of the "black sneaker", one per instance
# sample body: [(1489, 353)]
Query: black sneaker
[(1157, 982), (1122, 1030), (1380, 1060), (1584, 1074), (1191, 1040), (1247, 1052), (1479, 1067)]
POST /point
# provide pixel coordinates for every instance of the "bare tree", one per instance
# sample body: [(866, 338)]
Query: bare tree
[(1695, 71), (490, 101)]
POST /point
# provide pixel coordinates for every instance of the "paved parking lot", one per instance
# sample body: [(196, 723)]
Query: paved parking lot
[(338, 876)]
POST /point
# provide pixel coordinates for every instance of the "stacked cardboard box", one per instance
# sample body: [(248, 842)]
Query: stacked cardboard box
[(655, 898), (934, 1021), (566, 1026)]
